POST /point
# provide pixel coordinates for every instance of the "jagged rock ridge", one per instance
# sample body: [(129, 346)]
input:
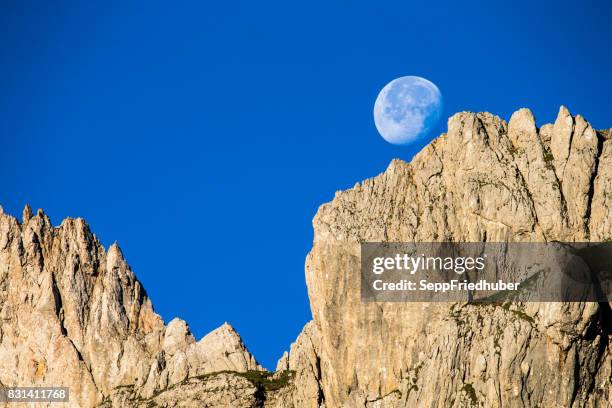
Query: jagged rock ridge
[(74, 314), (484, 180)]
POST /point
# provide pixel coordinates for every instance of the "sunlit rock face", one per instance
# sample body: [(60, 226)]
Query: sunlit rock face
[(484, 180), (73, 314)]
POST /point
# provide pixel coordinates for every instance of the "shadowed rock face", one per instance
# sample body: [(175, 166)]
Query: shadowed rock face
[(73, 314), (484, 180)]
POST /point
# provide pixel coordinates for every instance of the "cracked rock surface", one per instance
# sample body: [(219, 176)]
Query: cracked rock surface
[(73, 314), (484, 180)]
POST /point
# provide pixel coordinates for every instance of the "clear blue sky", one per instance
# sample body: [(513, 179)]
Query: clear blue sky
[(204, 135)]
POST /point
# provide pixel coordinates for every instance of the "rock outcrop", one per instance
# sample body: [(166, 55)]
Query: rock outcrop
[(303, 359), (484, 180), (73, 314)]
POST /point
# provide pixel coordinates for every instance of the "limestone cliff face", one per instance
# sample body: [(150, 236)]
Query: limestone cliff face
[(73, 314), (484, 180)]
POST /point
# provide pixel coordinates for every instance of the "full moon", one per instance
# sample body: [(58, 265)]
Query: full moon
[(406, 109)]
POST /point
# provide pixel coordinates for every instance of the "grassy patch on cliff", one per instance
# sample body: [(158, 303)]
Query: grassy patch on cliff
[(267, 380), (263, 380)]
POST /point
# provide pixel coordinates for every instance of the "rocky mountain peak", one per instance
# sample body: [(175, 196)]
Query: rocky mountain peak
[(484, 180), (74, 314), (77, 313), (27, 213)]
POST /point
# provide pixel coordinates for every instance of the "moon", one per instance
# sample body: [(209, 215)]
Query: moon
[(406, 109)]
